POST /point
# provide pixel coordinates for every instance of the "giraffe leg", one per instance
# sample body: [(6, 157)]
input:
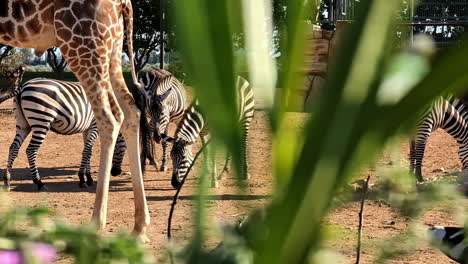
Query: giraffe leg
[(108, 122), (21, 133), (108, 117), (38, 135), (89, 138), (130, 130)]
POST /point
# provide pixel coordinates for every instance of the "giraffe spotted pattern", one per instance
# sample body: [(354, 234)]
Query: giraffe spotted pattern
[(89, 34)]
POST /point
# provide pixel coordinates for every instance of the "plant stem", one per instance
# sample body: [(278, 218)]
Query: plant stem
[(361, 219), (176, 196)]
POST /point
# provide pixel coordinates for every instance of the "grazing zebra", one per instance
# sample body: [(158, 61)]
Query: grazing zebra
[(45, 104), (449, 114), (194, 125), (166, 104), (451, 241)]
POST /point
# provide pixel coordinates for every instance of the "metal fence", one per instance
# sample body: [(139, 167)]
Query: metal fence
[(444, 20), (452, 12), (430, 12)]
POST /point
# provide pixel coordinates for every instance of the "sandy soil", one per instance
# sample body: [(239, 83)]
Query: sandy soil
[(59, 159)]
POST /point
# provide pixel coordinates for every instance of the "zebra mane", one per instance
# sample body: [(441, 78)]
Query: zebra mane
[(159, 77), (459, 103)]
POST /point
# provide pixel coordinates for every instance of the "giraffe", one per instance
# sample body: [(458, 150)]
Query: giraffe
[(90, 35)]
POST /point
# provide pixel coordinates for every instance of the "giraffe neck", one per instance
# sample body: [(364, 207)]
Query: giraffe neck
[(28, 24)]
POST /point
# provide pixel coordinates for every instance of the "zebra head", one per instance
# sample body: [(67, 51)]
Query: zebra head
[(451, 241), (14, 77), (159, 112), (182, 158)]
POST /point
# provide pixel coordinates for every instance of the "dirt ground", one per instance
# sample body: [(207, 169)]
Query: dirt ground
[(60, 156)]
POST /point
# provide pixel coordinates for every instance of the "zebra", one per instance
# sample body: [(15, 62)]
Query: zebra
[(449, 114), (451, 241), (45, 104), (167, 103), (194, 125), (14, 79)]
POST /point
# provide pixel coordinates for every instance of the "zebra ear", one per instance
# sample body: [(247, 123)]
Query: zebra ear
[(166, 94)]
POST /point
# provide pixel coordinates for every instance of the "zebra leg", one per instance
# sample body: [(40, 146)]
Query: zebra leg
[(119, 153), (38, 135), (245, 140), (420, 146), (412, 157), (463, 155), (211, 162), (89, 138), (226, 166), (21, 134), (164, 145), (151, 148), (210, 158)]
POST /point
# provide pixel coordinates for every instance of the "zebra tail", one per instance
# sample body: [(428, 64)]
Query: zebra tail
[(13, 94), (128, 18), (141, 102)]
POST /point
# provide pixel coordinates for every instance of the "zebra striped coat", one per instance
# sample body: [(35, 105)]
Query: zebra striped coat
[(42, 105), (167, 103), (451, 241), (450, 114), (193, 125)]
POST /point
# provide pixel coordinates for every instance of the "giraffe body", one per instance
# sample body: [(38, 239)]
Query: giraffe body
[(89, 34)]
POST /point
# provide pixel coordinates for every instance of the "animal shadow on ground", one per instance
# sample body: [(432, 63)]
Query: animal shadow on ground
[(221, 197), (70, 174)]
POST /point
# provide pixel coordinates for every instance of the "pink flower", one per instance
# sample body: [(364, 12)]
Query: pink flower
[(11, 257), (43, 253)]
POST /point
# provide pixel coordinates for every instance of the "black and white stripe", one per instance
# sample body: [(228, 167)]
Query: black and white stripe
[(194, 125), (449, 114), (451, 241), (167, 103), (45, 104)]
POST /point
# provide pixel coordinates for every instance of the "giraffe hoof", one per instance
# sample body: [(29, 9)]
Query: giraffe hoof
[(163, 168), (214, 184), (142, 238), (83, 185)]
